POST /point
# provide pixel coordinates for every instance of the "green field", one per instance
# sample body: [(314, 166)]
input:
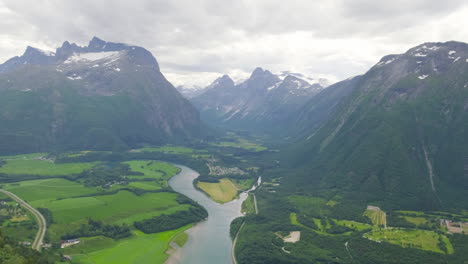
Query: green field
[(146, 185), (122, 207), (138, 249), (47, 190), (248, 206), (244, 184), (354, 225), (413, 238), (181, 239), (221, 192), (415, 220), (43, 167), (410, 212), (167, 149), (71, 204), (232, 140), (24, 156), (159, 171), (241, 143), (309, 204)]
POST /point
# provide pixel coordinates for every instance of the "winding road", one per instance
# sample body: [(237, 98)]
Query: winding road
[(37, 244)]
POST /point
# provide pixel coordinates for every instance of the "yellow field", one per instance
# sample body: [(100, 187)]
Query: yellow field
[(222, 192), (377, 216)]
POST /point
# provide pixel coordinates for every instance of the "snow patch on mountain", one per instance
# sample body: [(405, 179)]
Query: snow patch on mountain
[(93, 56), (422, 77), (46, 52)]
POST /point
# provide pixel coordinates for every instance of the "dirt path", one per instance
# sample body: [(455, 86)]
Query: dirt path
[(41, 222)]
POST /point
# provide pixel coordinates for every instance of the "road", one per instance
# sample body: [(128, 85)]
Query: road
[(235, 239), (41, 222), (233, 250), (255, 203)]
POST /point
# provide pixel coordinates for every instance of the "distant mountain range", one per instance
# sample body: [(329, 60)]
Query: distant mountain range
[(190, 92), (260, 102), (102, 96)]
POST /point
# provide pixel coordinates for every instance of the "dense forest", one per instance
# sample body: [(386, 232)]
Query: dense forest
[(98, 228), (168, 222)]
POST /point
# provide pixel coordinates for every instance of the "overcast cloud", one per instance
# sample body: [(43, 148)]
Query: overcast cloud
[(195, 41)]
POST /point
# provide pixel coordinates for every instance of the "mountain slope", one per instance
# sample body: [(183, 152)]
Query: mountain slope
[(400, 135), (102, 96), (259, 103)]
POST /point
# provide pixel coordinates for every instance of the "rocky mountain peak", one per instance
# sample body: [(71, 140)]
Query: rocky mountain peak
[(258, 71), (224, 80), (96, 43)]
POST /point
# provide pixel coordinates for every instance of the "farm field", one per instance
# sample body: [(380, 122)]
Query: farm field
[(160, 171), (43, 167), (140, 248), (168, 149), (414, 238), (240, 143), (145, 185), (119, 208), (415, 220), (376, 215), (221, 192), (48, 189), (233, 140)]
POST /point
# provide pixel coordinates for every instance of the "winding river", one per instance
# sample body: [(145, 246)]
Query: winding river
[(209, 241)]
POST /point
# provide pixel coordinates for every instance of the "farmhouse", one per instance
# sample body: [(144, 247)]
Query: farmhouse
[(69, 242), (455, 227)]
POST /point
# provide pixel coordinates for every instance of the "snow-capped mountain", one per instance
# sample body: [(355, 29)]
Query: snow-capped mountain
[(190, 92), (104, 88), (261, 100)]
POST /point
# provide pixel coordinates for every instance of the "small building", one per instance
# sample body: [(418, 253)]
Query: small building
[(46, 245), (69, 242)]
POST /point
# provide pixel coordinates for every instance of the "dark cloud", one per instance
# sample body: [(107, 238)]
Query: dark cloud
[(210, 37)]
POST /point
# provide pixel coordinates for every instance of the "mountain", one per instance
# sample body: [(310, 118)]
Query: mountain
[(101, 96), (190, 92), (260, 102), (396, 137)]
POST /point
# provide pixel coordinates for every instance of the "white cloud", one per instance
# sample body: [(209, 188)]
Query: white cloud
[(197, 41)]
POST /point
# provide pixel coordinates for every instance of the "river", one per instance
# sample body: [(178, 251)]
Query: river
[(209, 241)]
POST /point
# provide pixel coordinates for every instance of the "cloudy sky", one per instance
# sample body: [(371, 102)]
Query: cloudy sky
[(195, 41)]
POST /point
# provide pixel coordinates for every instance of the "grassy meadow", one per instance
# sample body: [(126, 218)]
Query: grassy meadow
[(248, 206), (119, 208), (41, 167), (38, 192), (414, 238), (140, 248)]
